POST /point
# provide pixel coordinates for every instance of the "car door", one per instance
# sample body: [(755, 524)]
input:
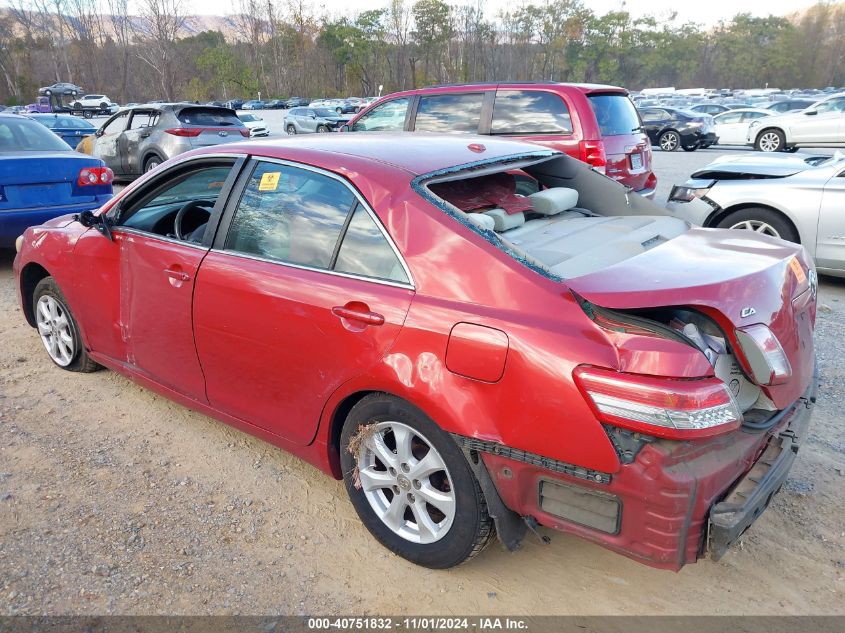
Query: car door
[(729, 128), (830, 240), (139, 129), (822, 128), (302, 291), (136, 290), (107, 141)]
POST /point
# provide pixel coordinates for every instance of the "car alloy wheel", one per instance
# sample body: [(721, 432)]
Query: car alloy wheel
[(769, 142), (152, 163), (290, 129), (406, 483), (757, 226), (669, 141), (55, 330), (322, 129)]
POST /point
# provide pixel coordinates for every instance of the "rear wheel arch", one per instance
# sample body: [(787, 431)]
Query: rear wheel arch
[(153, 155), (31, 274)]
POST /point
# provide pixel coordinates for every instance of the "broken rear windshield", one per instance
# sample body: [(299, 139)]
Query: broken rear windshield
[(212, 117)]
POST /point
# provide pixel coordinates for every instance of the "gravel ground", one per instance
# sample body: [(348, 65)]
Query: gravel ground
[(114, 500)]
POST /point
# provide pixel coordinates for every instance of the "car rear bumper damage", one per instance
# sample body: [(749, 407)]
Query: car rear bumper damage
[(669, 504)]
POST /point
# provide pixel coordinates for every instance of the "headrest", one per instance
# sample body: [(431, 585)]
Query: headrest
[(553, 201), (504, 221), (482, 221)]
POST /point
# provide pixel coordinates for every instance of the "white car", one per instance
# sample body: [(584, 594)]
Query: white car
[(820, 125), (255, 124), (101, 102), (732, 126)]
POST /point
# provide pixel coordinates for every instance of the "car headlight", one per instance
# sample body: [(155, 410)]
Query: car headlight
[(683, 193)]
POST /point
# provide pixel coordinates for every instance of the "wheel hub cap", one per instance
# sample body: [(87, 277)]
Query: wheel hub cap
[(55, 330)]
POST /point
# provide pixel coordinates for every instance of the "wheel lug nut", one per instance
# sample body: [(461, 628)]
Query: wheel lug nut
[(392, 471), (411, 498), (396, 490), (405, 467), (417, 484)]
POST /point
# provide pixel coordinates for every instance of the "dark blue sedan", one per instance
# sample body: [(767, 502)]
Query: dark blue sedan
[(69, 128), (42, 178)]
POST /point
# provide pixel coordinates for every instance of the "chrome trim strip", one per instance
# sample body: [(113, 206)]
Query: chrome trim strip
[(162, 238)]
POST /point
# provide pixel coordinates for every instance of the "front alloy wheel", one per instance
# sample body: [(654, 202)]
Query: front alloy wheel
[(55, 330), (669, 141), (757, 226), (770, 141)]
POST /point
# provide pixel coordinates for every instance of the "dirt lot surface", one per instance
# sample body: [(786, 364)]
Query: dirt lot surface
[(115, 500)]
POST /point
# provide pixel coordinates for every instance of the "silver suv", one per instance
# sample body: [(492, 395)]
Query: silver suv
[(140, 138)]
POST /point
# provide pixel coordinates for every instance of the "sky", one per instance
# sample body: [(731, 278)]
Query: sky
[(707, 13)]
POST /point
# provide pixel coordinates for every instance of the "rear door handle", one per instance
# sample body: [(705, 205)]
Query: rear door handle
[(178, 275), (357, 314)]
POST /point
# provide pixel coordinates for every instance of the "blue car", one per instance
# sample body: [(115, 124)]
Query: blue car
[(71, 129), (42, 178), (253, 105)]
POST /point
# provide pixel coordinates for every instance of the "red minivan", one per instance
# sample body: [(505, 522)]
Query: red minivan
[(594, 123)]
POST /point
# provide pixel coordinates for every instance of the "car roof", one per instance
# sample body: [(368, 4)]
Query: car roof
[(415, 153)]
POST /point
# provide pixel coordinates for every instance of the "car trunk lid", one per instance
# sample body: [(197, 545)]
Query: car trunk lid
[(738, 280), (44, 179)]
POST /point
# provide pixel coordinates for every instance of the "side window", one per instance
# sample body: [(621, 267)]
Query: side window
[(156, 211), (530, 112), (142, 119), (387, 117), (731, 117), (651, 116), (449, 113), (117, 124), (750, 116), (291, 215), (365, 251)]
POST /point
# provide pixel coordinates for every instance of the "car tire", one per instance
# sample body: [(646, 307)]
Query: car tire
[(290, 129), (322, 129), (691, 148), (87, 114), (58, 329), (77, 105), (48, 93), (151, 162), (450, 534), (104, 105), (339, 110), (770, 140), (761, 220), (669, 141)]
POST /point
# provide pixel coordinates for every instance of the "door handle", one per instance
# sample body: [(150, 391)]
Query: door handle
[(362, 315), (145, 134), (178, 275)]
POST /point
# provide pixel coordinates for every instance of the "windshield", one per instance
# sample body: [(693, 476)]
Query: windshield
[(324, 112), (615, 113), (25, 135)]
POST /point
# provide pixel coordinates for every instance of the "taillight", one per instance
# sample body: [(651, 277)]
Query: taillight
[(593, 153), (663, 407), (769, 364), (245, 133), (185, 131), (89, 176)]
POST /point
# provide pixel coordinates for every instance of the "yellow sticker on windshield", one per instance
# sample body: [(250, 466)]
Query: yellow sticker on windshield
[(796, 267), (269, 181)]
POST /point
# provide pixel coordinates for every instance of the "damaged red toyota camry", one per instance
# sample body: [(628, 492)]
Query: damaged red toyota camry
[(479, 336)]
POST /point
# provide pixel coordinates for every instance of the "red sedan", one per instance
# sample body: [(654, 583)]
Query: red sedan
[(477, 335)]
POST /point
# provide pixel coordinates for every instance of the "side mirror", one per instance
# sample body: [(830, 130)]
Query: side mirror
[(811, 112), (345, 128), (99, 222), (99, 133)]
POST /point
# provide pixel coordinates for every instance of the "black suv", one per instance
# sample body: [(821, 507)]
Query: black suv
[(671, 128)]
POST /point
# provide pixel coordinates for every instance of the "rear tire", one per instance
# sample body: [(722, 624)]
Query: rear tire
[(669, 141), (770, 140), (87, 114), (392, 483), (761, 220), (151, 163), (690, 148), (58, 329)]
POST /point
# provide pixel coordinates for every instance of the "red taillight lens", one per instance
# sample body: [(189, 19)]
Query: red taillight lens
[(593, 153), (769, 364), (245, 133), (89, 176), (663, 407), (185, 131)]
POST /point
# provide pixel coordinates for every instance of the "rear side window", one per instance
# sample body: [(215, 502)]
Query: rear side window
[(449, 113), (615, 113), (365, 251), (385, 117), (530, 112), (289, 214), (212, 117)]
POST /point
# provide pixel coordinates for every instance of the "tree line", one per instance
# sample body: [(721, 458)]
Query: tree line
[(135, 50)]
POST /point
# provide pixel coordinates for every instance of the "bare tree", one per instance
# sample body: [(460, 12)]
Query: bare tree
[(158, 26)]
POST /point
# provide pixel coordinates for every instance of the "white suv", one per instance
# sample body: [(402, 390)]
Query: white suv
[(820, 125), (94, 101)]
